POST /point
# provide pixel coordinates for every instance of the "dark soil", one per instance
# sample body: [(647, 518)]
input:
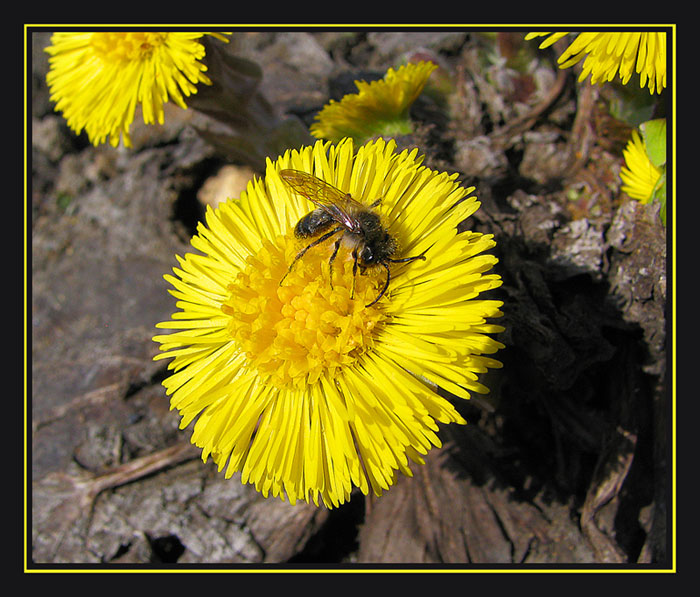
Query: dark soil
[(565, 462)]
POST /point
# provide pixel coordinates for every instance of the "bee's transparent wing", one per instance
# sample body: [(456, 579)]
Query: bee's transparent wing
[(324, 195)]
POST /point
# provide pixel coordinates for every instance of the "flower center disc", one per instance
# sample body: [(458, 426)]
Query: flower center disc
[(295, 331)]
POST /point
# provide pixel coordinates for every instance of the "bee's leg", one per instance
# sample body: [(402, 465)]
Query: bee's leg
[(386, 284), (377, 202), (318, 241), (354, 272), (332, 259)]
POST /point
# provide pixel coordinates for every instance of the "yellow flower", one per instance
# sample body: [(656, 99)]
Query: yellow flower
[(379, 108), (606, 54), (295, 381), (639, 175), (97, 79)]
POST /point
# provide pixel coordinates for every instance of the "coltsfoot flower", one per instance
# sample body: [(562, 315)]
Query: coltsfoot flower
[(605, 54), (289, 377), (644, 173), (639, 175), (98, 78), (378, 108)]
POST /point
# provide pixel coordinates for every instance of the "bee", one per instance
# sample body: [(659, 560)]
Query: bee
[(337, 213)]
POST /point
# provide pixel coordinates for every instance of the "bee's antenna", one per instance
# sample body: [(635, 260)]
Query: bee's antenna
[(407, 259)]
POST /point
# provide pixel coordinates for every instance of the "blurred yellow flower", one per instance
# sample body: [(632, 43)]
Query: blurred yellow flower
[(98, 78), (305, 387), (379, 108), (606, 54)]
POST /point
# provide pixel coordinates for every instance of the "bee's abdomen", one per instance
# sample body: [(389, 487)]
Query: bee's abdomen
[(313, 223)]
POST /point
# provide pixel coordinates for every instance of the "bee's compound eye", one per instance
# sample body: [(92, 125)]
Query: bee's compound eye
[(366, 255)]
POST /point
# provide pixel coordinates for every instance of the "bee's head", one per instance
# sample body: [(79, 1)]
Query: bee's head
[(377, 249), (367, 255)]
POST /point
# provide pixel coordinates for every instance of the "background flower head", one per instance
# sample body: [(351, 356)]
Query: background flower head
[(644, 173), (300, 386), (379, 108), (605, 54), (639, 175), (98, 78)]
